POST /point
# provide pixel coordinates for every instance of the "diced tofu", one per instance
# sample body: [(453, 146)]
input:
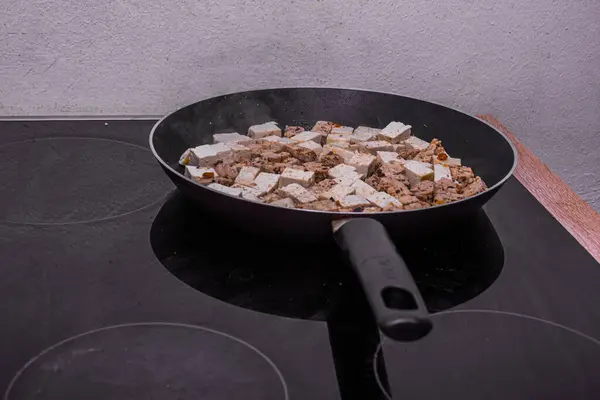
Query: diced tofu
[(339, 140), (277, 139), (341, 130), (267, 182), (414, 142), (262, 130), (239, 151), (231, 137), (232, 191), (340, 170), (208, 154), (363, 189), (197, 173), (395, 132), (312, 146), (417, 171), (297, 176), (363, 163), (337, 192), (247, 175), (440, 172), (452, 161), (353, 201), (348, 179), (384, 200), (323, 127), (385, 157), (185, 157), (287, 203), (298, 193), (364, 133), (344, 153), (375, 146), (306, 136), (249, 191)]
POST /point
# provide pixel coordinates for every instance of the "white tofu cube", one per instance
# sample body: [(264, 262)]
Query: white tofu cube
[(312, 146), (337, 192), (414, 142), (323, 127), (364, 133), (348, 179), (298, 193), (208, 154), (185, 157), (267, 182), (395, 132), (440, 172), (297, 176), (339, 140), (239, 152), (287, 203), (363, 163), (363, 189), (341, 130), (340, 170), (353, 201), (344, 153), (377, 145), (308, 136), (385, 157), (247, 175), (249, 191), (198, 173), (452, 161), (384, 200), (417, 171), (231, 137), (263, 130), (232, 191), (277, 139)]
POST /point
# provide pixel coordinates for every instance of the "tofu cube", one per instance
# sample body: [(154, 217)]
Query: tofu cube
[(363, 189), (451, 161), (312, 146), (353, 201), (197, 173), (341, 130), (185, 157), (308, 136), (239, 152), (267, 182), (385, 157), (337, 192), (249, 191), (384, 200), (287, 203), (323, 127), (364, 133), (348, 179), (339, 140), (298, 193), (277, 139), (377, 145), (440, 172), (231, 137), (247, 175), (297, 176), (208, 154), (340, 170), (414, 142), (417, 171), (363, 163), (232, 191), (344, 153), (263, 130), (395, 132)]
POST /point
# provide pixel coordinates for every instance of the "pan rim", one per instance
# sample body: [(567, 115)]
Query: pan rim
[(337, 215)]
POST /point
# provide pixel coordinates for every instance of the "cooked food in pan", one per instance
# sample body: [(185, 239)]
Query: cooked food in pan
[(332, 168)]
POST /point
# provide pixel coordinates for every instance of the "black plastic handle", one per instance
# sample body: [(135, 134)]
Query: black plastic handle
[(389, 287)]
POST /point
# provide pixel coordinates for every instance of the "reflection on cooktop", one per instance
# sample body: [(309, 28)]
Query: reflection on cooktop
[(451, 265)]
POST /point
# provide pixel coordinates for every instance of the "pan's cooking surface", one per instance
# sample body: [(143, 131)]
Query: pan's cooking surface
[(63, 280)]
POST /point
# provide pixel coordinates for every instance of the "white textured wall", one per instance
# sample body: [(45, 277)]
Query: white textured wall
[(534, 64)]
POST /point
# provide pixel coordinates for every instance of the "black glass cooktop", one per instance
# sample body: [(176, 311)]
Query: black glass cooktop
[(115, 287)]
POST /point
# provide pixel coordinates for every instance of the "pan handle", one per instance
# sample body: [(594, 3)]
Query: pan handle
[(389, 287)]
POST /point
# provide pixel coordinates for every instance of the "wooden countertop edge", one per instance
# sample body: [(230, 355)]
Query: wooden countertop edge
[(578, 217)]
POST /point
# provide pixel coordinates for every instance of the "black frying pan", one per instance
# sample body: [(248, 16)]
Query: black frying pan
[(394, 298)]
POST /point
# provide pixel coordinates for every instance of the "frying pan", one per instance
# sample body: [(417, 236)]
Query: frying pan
[(391, 292)]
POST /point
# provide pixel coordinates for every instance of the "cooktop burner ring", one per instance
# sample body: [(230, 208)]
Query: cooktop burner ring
[(562, 327), (61, 190), (54, 367)]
